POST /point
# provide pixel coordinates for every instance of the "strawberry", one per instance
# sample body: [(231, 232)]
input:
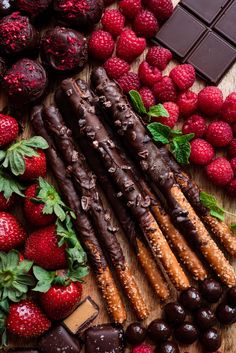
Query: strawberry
[(129, 46), (60, 301), (35, 166), (5, 204), (12, 234), (25, 319), (9, 129)]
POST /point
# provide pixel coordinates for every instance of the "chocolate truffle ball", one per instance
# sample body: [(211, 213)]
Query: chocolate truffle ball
[(33, 7), (211, 290), (80, 13), (17, 34), (225, 314), (167, 347), (25, 82), (191, 299), (6, 7), (205, 318), (211, 340), (135, 333), (64, 49), (174, 313), (158, 330), (187, 333), (231, 297)]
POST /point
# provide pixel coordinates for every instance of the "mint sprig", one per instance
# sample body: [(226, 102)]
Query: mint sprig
[(210, 202)]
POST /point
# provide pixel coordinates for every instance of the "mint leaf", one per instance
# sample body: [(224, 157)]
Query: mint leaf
[(159, 132), (180, 147), (137, 102), (210, 202), (233, 227), (157, 111)]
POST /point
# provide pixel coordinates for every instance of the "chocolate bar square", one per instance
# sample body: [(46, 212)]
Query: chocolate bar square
[(60, 341), (226, 25), (212, 57), (104, 339)]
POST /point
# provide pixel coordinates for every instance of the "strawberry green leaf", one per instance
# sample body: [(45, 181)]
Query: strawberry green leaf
[(45, 279), (9, 185), (2, 155), (210, 202), (137, 102), (160, 133), (157, 111), (36, 142)]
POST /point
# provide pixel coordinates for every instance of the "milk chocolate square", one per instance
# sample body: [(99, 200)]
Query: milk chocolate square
[(226, 25), (58, 340)]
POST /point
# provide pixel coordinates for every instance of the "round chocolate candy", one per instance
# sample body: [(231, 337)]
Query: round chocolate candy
[(135, 333), (186, 333), (6, 7), (174, 313), (225, 314), (33, 7), (231, 297), (205, 318), (191, 299), (211, 290), (167, 347), (211, 340), (158, 330)]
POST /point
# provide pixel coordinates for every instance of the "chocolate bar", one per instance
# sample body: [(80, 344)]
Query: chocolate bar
[(104, 339), (82, 317), (202, 33)]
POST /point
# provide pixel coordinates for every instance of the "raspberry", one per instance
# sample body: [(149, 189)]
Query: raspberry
[(183, 76), (187, 102), (101, 45), (229, 109), (231, 188), (232, 148), (116, 67), (210, 100), (145, 24), (195, 124), (201, 152), (149, 75), (164, 90), (219, 171), (113, 22), (162, 9), (159, 57), (233, 165), (172, 119), (130, 8), (129, 46), (219, 133), (147, 97), (129, 81), (143, 348)]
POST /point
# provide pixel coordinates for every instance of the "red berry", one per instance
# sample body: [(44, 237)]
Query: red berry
[(129, 46), (130, 8), (159, 57), (129, 81), (219, 171), (12, 234), (101, 45), (183, 76), (108, 2), (143, 348), (35, 166), (232, 148), (188, 103), (210, 100), (147, 97), (219, 133), (162, 9), (6, 204), (231, 188), (164, 90), (195, 124), (9, 129), (149, 75), (229, 109), (233, 165), (172, 119), (116, 67), (234, 129), (113, 22), (145, 24), (201, 152)]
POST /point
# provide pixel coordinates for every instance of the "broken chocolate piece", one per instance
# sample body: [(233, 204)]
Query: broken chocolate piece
[(226, 25), (82, 317), (104, 339)]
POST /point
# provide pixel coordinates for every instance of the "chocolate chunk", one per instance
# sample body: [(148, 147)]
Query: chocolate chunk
[(226, 25), (82, 317), (104, 339), (59, 340)]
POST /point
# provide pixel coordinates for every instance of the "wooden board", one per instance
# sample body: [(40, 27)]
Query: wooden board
[(228, 84)]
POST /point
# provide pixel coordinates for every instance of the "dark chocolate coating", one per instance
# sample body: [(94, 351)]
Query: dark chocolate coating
[(205, 318), (33, 7), (167, 347), (135, 333), (64, 49), (23, 350), (158, 330), (231, 297), (211, 340), (211, 290), (191, 299), (174, 313), (104, 339), (225, 314), (187, 333), (6, 7), (59, 340)]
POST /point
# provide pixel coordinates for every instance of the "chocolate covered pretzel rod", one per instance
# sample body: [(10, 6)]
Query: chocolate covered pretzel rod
[(103, 275), (90, 126), (134, 134), (85, 182), (192, 191)]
